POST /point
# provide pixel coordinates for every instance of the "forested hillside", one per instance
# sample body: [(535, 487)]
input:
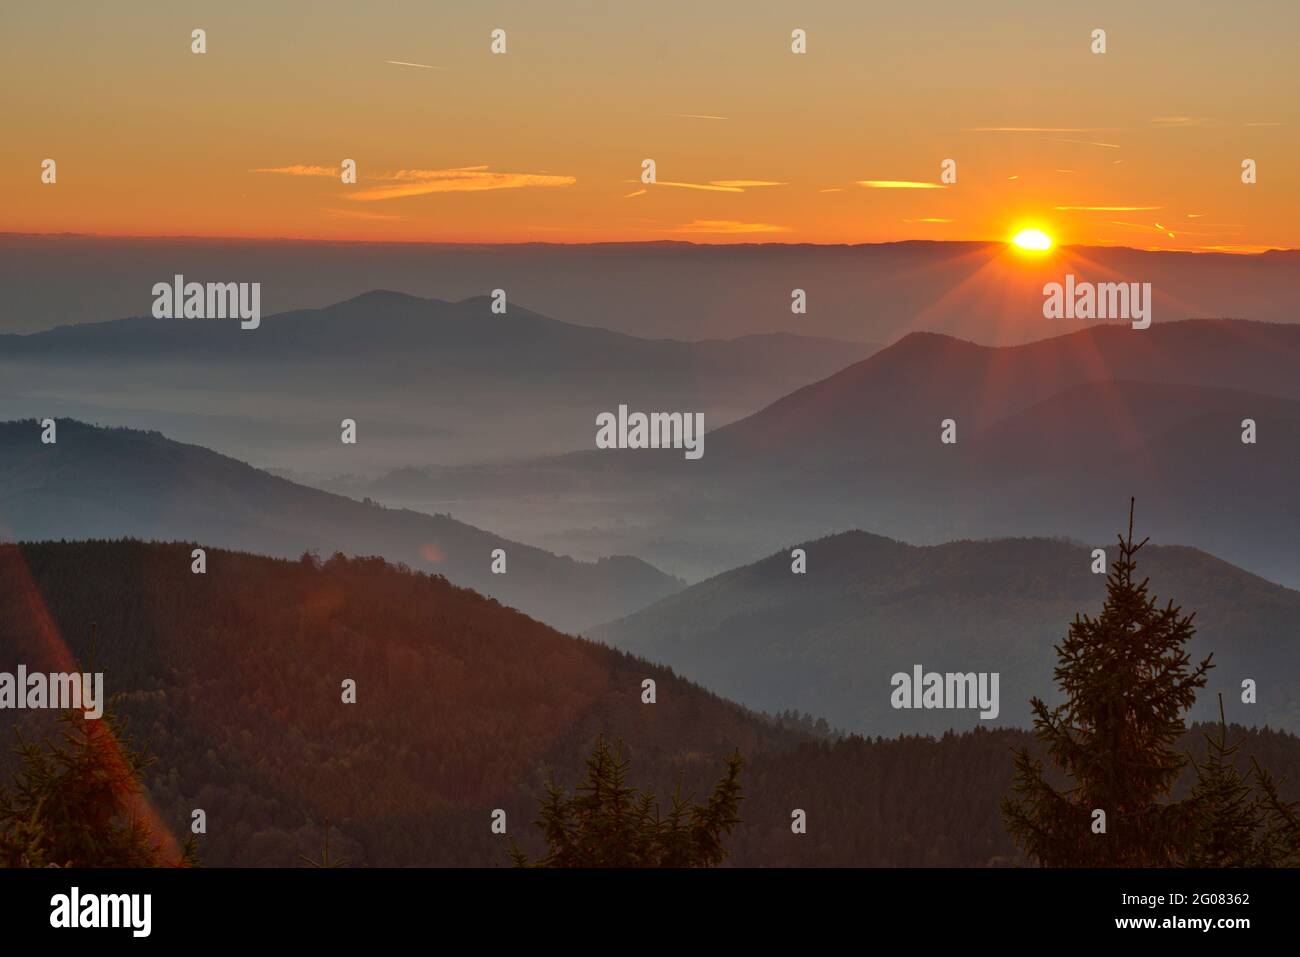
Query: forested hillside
[(233, 679)]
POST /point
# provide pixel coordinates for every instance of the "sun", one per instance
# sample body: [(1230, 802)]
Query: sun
[(1033, 240)]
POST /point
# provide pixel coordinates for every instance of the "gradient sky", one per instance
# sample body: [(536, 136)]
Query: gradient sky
[(545, 143)]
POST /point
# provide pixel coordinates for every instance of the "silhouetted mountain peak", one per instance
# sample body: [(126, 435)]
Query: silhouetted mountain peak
[(898, 395), (384, 296), (920, 340)]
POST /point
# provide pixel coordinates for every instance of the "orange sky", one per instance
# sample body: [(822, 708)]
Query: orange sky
[(546, 142)]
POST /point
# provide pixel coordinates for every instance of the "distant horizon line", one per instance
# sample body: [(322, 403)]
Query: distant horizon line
[(880, 346), (290, 240)]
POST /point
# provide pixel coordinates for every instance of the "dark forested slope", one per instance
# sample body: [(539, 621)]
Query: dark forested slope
[(233, 680)]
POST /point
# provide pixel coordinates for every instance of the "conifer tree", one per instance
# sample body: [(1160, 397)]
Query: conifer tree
[(1230, 817), (72, 803), (608, 823), (325, 860), (1127, 682), (1280, 843), (74, 800)]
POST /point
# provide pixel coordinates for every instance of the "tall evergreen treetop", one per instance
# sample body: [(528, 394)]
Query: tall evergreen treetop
[(1127, 681), (609, 823)]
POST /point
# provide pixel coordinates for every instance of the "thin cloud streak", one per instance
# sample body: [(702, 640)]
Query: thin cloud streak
[(729, 226), (421, 182), (1040, 129), (716, 185), (300, 170), (1109, 146), (707, 186), (407, 175), (897, 184)]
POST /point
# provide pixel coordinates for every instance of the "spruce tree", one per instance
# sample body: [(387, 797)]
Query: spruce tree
[(1229, 816), (608, 823), (325, 860), (1127, 682), (73, 801), (1280, 843)]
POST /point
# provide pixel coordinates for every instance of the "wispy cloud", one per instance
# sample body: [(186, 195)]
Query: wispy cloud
[(1109, 146), (1180, 121), (422, 66), (897, 184), (930, 219), (1149, 227), (709, 186), (1038, 129), (729, 226), (424, 174), (1161, 228), (697, 116), (1263, 124), (639, 192), (715, 185), (1108, 209), (301, 170), (470, 179)]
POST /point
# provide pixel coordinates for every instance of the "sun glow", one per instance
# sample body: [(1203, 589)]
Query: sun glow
[(1034, 240)]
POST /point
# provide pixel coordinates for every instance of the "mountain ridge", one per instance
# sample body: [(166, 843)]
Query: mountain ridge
[(96, 482), (869, 606)]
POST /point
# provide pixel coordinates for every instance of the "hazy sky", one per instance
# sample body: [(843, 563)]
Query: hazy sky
[(546, 142)]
